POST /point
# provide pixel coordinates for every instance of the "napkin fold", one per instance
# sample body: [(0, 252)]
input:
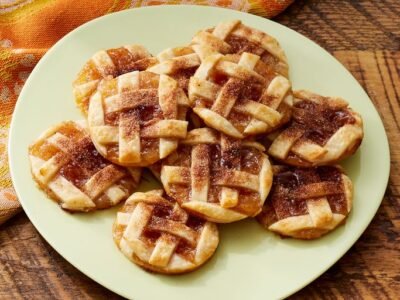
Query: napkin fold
[(28, 28)]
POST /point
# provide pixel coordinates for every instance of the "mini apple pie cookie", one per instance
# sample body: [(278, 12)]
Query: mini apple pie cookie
[(239, 96), (137, 118), (233, 37), (158, 235), (323, 130), (105, 64), (67, 166), (306, 203), (216, 177)]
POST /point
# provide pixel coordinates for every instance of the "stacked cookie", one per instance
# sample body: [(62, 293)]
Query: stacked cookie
[(203, 118)]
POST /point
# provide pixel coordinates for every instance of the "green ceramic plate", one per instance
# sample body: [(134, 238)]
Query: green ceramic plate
[(250, 262)]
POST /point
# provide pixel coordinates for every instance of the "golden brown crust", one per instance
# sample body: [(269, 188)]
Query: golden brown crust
[(240, 95), (137, 118), (234, 37), (67, 167), (216, 177), (159, 236), (179, 63), (106, 64), (306, 203), (323, 130)]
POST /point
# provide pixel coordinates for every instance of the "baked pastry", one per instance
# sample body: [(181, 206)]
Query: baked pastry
[(155, 169), (306, 203), (194, 121), (137, 118), (105, 64), (158, 235), (233, 37), (217, 177), (66, 166), (323, 130), (239, 95), (180, 63)]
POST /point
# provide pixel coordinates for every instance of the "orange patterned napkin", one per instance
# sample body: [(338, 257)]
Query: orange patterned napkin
[(29, 27)]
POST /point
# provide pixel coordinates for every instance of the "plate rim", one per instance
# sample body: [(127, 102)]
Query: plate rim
[(385, 149)]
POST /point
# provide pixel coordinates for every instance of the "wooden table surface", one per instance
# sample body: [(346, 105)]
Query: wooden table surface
[(365, 37)]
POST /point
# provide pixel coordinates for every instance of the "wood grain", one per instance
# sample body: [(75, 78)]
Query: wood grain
[(347, 25), (31, 269), (365, 37)]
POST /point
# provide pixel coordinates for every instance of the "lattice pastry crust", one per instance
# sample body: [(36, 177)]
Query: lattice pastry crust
[(323, 130), (106, 64), (216, 177), (240, 95), (306, 203), (180, 63), (137, 118), (66, 165), (158, 235), (233, 37)]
